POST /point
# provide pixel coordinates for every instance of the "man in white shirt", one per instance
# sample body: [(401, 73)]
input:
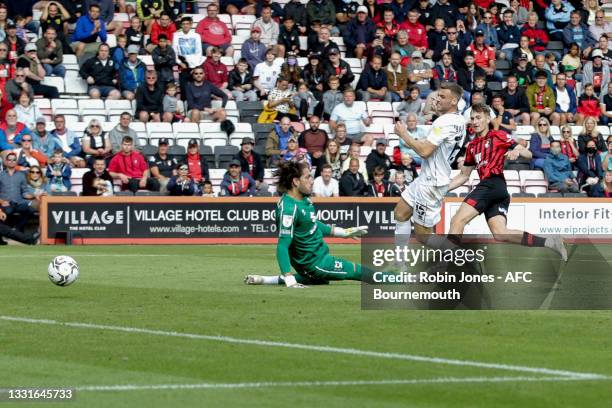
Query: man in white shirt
[(565, 99), (266, 73), (325, 185), (187, 45), (354, 116)]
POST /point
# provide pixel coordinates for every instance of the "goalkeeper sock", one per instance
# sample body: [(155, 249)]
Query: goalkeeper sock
[(272, 280)]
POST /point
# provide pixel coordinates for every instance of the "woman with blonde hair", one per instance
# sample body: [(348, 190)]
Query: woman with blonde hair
[(96, 142), (539, 145), (37, 183), (590, 132), (332, 157), (568, 144)]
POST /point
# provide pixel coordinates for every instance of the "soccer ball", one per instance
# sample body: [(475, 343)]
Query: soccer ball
[(63, 270)]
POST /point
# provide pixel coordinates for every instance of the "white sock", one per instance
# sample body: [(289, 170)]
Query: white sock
[(271, 280), (403, 229)]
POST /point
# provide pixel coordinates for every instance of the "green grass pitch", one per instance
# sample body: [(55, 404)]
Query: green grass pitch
[(176, 327)]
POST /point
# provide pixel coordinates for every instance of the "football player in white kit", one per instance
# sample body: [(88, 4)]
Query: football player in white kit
[(422, 200)]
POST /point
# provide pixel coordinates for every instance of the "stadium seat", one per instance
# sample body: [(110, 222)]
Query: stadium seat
[(207, 152), (524, 195), (186, 131), (550, 195), (176, 150), (57, 82), (149, 150)]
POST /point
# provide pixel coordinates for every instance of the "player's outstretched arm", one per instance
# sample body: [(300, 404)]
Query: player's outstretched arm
[(422, 147), (521, 151), (461, 178), (353, 232)]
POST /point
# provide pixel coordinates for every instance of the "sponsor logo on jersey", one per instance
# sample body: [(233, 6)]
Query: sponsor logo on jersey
[(287, 221)]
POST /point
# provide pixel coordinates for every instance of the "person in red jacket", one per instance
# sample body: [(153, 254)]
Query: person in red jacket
[(216, 72), (214, 32), (588, 105), (131, 168), (162, 26), (417, 34), (538, 39)]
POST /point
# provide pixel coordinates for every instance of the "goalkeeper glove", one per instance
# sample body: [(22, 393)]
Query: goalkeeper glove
[(354, 232), (290, 282)]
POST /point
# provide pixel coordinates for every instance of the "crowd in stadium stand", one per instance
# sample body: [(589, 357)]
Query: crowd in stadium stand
[(318, 66)]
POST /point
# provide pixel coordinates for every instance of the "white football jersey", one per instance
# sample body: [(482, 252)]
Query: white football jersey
[(448, 133)]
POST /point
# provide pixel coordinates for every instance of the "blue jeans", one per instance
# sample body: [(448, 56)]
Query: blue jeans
[(57, 70)]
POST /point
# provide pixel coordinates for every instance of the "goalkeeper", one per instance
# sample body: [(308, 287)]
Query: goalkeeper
[(300, 236)]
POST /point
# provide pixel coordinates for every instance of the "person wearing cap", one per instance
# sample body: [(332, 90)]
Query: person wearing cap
[(237, 182), (16, 44), (373, 82), (240, 82), (288, 37), (42, 140), (445, 10), (335, 66), (579, 33), (214, 33), (198, 166), (50, 53), (99, 72), (324, 11), (296, 153), (420, 73), (162, 165), (596, 72), (97, 181), (269, 28), (523, 71), (131, 73), (181, 184), (378, 158), (359, 33), (484, 56), (541, 99), (253, 50), (252, 163), (89, 27), (131, 168), (35, 72)]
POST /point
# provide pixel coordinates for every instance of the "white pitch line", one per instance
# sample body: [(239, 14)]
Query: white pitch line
[(270, 384), (309, 347)]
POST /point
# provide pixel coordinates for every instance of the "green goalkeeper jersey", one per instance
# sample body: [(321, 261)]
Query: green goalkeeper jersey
[(300, 234)]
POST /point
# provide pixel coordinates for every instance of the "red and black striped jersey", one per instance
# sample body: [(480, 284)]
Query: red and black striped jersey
[(488, 153)]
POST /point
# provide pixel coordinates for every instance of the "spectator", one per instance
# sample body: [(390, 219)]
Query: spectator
[(606, 156), (523, 51), (134, 33), (181, 184), (484, 56), (240, 82), (416, 32), (407, 168), (11, 131), (162, 166), (96, 142), (43, 141), (322, 44), (503, 119), (35, 73), (188, 49), (373, 82), (558, 170), (98, 181), (304, 101), (163, 26), (16, 235), (236, 182), (216, 72), (15, 193), (88, 29), (55, 15), (354, 152), (597, 73), (333, 158), (214, 33), (15, 44), (381, 46), (207, 189), (119, 53), (508, 34), (516, 102), (577, 32), (331, 97), (164, 60), (288, 37), (588, 105), (173, 111), (538, 39), (149, 11), (540, 143), (379, 186), (280, 99), (378, 158), (403, 48), (325, 185), (602, 45), (59, 172), (296, 153), (335, 66), (269, 28), (341, 138), (237, 7), (252, 163), (314, 140), (354, 116), (397, 78), (27, 156), (359, 33), (131, 168), (314, 75), (120, 131), (374, 10), (107, 14), (412, 104), (444, 71), (542, 100), (601, 26), (557, 17), (590, 171), (487, 26), (277, 10), (253, 49), (568, 144), (50, 53), (266, 74), (149, 100), (352, 183), (572, 60), (131, 74), (468, 74), (416, 133), (199, 98), (198, 167), (68, 141), (291, 70), (322, 11), (565, 100), (27, 111), (446, 11), (38, 184), (276, 144), (590, 132), (99, 72)]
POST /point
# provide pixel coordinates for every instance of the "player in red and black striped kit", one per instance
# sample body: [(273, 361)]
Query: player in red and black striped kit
[(487, 153)]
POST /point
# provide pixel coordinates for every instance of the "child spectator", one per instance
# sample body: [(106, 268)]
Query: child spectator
[(588, 105), (20, 22), (305, 101), (407, 167), (288, 37), (379, 187), (207, 189), (240, 82), (399, 182), (332, 97), (412, 104), (59, 172), (134, 33), (119, 53), (171, 104)]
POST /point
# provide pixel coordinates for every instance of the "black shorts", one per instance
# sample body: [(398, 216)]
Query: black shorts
[(490, 197)]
